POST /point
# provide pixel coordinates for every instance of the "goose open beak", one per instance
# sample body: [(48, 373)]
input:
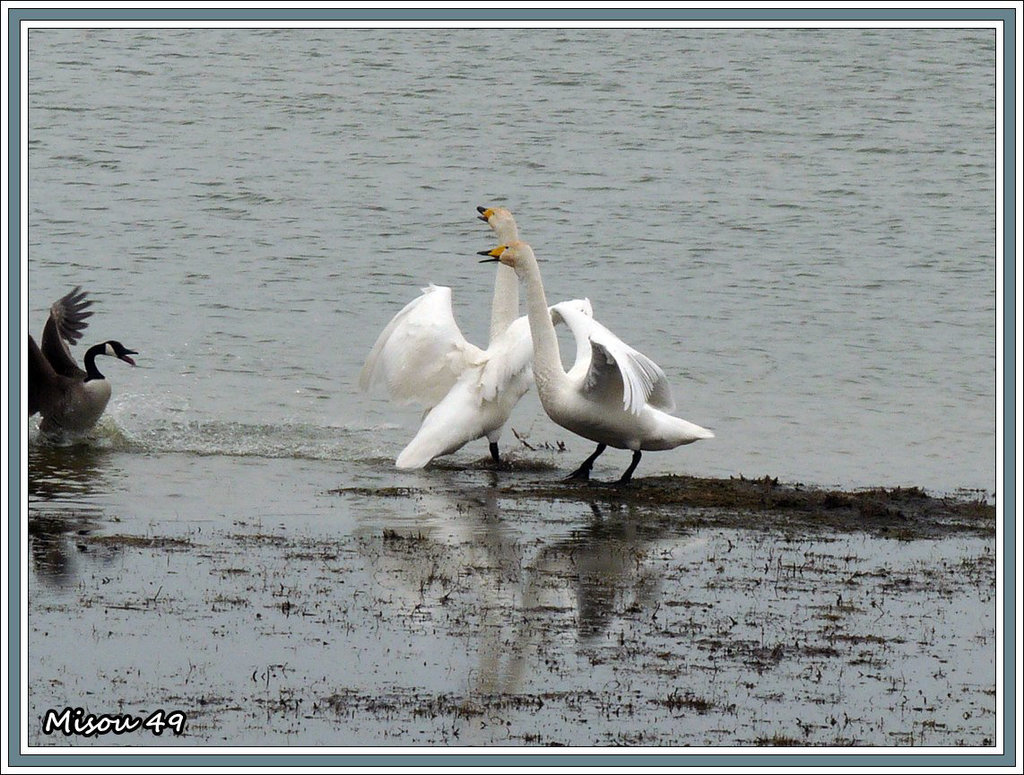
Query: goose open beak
[(125, 357)]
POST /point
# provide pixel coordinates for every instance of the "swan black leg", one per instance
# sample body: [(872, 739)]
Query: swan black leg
[(583, 472), (494, 453), (629, 471)]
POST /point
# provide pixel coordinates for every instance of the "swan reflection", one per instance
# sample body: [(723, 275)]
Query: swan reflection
[(525, 585)]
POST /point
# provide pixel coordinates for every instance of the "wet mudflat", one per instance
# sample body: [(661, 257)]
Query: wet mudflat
[(479, 608)]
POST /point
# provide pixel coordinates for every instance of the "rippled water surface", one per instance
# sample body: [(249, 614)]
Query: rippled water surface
[(797, 225)]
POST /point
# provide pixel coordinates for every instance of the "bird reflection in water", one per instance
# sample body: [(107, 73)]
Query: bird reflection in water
[(606, 560), (531, 587), (62, 482)]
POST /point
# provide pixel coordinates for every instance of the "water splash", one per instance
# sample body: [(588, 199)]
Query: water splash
[(287, 440), (299, 440)]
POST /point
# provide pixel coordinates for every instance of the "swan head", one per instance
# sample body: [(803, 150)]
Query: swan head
[(563, 308), (117, 350), (501, 222), (517, 255)]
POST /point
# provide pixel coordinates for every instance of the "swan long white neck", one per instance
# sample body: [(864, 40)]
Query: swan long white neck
[(505, 307), (547, 360)]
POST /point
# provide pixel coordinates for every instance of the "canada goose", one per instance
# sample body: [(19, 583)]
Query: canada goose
[(69, 399), (613, 394)]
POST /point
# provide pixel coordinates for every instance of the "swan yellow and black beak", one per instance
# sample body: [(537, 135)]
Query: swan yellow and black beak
[(485, 213), (495, 255)]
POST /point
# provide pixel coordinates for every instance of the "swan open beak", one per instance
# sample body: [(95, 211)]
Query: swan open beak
[(495, 255), (485, 213)]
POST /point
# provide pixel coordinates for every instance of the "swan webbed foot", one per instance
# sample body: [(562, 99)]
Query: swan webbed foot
[(497, 462), (581, 474), (628, 475)]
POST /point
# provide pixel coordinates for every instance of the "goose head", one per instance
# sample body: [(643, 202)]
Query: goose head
[(111, 347), (117, 350)]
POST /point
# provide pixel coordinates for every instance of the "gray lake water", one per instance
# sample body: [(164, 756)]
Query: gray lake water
[(797, 225)]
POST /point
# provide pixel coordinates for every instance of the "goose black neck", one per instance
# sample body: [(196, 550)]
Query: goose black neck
[(91, 372)]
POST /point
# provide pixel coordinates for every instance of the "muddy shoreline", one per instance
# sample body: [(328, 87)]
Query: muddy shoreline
[(740, 502), (480, 608)]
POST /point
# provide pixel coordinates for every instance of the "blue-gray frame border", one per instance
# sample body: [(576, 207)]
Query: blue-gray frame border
[(1005, 15)]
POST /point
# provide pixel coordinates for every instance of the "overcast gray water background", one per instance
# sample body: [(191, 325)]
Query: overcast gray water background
[(797, 225)]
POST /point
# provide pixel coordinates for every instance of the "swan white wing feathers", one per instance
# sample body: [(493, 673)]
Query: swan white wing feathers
[(566, 312), (510, 358), (615, 368), (507, 360), (421, 353)]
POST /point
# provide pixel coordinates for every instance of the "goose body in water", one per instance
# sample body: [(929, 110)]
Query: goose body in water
[(613, 394), (69, 399)]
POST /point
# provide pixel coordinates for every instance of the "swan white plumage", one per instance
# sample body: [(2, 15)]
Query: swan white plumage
[(469, 393), (482, 399), (505, 304), (421, 352), (613, 394)]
